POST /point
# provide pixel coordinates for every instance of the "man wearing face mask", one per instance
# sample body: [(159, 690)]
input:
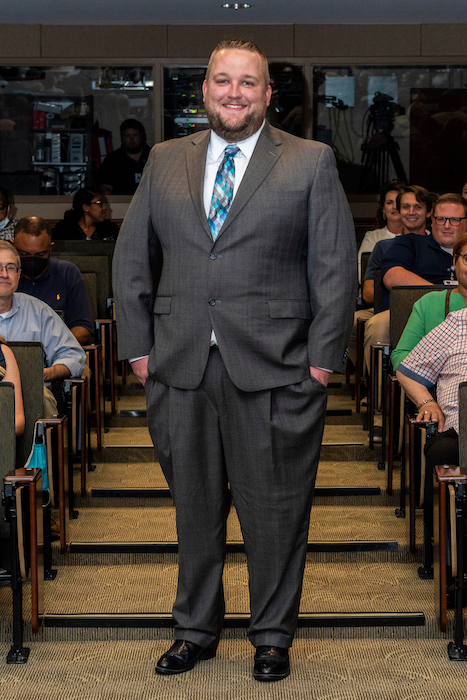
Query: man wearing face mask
[(58, 283)]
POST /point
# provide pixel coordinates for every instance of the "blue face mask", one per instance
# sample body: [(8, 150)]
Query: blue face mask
[(4, 222)]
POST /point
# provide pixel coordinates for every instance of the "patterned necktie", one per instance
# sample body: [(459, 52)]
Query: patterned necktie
[(223, 191)]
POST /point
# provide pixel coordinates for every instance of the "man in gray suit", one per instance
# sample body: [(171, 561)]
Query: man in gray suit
[(249, 317)]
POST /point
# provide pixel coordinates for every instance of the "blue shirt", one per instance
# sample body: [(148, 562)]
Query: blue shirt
[(376, 258), (62, 287), (30, 319), (421, 255)]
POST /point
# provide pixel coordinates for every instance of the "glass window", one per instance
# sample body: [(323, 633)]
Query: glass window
[(386, 122), (57, 124), (183, 99)]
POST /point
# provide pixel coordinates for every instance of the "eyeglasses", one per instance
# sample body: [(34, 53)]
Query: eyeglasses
[(464, 258), (453, 220), (10, 268), (100, 202)]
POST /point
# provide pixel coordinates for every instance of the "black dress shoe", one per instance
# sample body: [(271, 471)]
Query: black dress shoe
[(271, 664), (182, 656)]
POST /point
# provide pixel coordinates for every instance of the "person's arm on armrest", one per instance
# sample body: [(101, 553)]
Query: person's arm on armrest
[(82, 335), (399, 276), (56, 372), (430, 411), (368, 292)]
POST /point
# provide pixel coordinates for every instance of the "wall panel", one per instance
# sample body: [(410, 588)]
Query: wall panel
[(20, 40), (61, 41), (198, 41), (363, 40), (442, 39)]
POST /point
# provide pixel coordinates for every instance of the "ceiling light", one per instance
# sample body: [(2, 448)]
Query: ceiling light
[(236, 5)]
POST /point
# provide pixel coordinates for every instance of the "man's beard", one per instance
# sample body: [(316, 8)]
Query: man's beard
[(240, 131)]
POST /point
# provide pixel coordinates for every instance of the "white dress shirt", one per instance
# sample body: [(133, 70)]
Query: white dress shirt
[(214, 158)]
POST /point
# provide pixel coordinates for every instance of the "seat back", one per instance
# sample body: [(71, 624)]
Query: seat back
[(30, 360), (7, 439), (379, 289), (93, 256), (364, 264), (90, 282), (99, 264), (401, 301), (463, 424)]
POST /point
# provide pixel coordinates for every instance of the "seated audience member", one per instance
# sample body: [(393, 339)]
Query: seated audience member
[(414, 206), (439, 359), (368, 296), (9, 373), (121, 170), (86, 220), (57, 282), (432, 308), (417, 259), (25, 318), (388, 220), (7, 225)]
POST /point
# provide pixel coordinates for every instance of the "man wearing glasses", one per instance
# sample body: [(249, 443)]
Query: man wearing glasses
[(25, 318), (419, 260)]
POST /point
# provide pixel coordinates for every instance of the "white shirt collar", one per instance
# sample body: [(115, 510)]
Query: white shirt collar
[(217, 144)]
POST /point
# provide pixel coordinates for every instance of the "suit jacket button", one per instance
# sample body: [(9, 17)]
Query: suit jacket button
[(212, 302), (213, 256)]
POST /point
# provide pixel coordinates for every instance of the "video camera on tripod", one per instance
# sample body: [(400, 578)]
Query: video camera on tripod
[(379, 148), (383, 112)]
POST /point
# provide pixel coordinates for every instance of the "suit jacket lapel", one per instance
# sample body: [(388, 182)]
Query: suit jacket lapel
[(267, 152), (196, 163)]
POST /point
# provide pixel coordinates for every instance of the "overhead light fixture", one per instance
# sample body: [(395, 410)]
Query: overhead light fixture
[(236, 6)]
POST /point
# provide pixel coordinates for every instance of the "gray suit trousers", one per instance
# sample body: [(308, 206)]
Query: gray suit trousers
[(265, 445)]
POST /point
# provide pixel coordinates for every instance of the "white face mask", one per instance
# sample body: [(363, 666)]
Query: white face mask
[(4, 222)]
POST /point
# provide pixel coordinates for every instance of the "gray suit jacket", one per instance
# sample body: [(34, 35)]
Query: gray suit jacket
[(278, 286)]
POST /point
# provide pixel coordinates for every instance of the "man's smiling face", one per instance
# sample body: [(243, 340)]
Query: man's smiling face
[(235, 94)]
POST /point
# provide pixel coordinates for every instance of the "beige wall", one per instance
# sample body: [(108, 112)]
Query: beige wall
[(369, 42)]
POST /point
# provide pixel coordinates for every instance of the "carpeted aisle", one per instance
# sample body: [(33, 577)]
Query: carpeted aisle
[(332, 663), (322, 669)]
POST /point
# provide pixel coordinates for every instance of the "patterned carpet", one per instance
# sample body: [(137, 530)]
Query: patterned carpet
[(341, 663)]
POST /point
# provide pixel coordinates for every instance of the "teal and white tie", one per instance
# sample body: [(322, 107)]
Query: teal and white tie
[(223, 191)]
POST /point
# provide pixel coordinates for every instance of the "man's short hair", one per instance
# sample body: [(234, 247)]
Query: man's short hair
[(133, 124), (458, 245), (451, 198), (34, 226), (242, 45), (7, 245), (421, 195)]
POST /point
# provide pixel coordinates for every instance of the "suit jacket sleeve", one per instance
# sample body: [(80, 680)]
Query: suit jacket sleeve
[(133, 274), (332, 266)]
